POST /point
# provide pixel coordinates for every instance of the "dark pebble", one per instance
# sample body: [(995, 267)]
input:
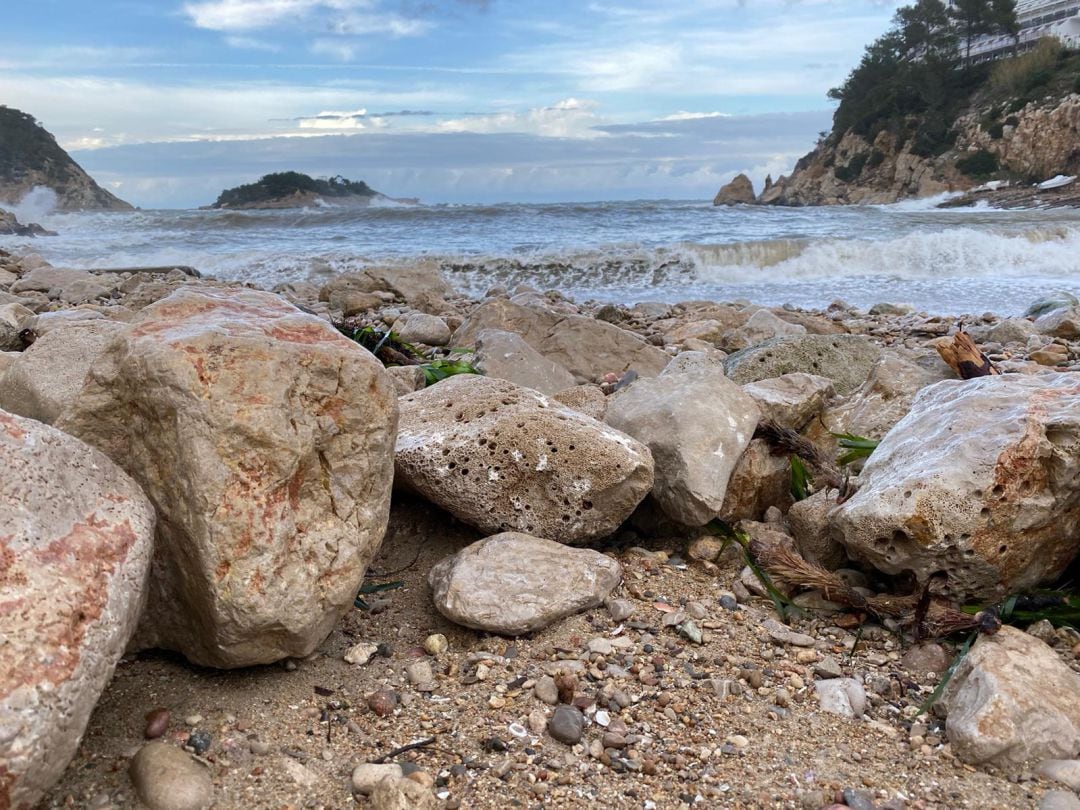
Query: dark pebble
[(157, 723), (200, 741), (858, 799), (566, 725), (727, 602)]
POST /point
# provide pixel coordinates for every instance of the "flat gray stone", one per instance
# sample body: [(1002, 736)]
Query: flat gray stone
[(513, 583)]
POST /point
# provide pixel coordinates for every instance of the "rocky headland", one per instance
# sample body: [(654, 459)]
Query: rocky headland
[(246, 562), (909, 127), (31, 158)]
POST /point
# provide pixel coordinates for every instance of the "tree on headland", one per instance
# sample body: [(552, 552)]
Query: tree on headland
[(973, 18)]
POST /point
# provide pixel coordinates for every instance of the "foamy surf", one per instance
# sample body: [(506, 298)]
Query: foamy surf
[(943, 261)]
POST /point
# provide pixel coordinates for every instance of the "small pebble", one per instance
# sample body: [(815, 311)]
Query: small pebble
[(157, 722), (435, 644), (566, 725), (383, 702), (166, 778), (200, 741)]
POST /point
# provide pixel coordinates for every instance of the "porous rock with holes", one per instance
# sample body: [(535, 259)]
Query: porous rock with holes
[(264, 439), (844, 359), (76, 536), (505, 458), (977, 481)]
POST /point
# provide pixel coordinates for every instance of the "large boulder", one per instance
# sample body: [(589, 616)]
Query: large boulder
[(70, 286), (697, 424), (13, 319), (265, 440), (513, 583), (504, 458), (421, 284), (76, 536), (47, 376), (844, 359), (507, 356), (791, 400), (585, 347), (761, 479), (883, 400), (1013, 702), (739, 190), (762, 325), (978, 481)]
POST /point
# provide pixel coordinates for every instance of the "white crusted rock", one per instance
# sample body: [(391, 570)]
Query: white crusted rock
[(978, 481)]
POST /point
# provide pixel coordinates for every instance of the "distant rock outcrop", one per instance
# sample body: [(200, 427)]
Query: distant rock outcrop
[(294, 190), (739, 190), (30, 157), (10, 226)]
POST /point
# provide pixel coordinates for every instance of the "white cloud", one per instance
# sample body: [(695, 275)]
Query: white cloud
[(570, 117), (693, 116), (251, 44), (246, 15)]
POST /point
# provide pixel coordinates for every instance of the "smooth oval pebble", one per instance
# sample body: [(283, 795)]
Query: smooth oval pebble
[(367, 775), (157, 722), (166, 778), (435, 644)]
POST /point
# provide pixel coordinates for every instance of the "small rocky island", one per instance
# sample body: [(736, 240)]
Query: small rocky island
[(295, 190)]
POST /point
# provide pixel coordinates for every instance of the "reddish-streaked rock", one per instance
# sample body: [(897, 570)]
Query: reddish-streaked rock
[(264, 438), (978, 481), (76, 536)]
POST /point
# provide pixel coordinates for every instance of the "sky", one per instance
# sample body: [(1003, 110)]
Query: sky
[(167, 102)]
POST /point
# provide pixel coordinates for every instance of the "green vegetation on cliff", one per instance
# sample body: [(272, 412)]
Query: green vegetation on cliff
[(915, 80), (30, 157), (280, 186)]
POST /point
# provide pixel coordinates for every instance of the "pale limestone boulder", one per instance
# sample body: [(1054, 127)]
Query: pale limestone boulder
[(49, 374), (1063, 323), (76, 537), (883, 400), (978, 481), (353, 302), (1011, 330), (762, 325), (808, 521), (585, 347), (406, 379), (1012, 703), (45, 322), (70, 286), (420, 327), (13, 319), (791, 400), (761, 479), (844, 359), (6, 359), (420, 284), (507, 356), (504, 458), (265, 440), (514, 583), (696, 424), (589, 399), (695, 361)]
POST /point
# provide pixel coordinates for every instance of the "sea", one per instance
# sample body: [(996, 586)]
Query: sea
[(942, 261)]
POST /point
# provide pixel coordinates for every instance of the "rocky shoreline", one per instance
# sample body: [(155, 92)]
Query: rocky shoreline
[(550, 613)]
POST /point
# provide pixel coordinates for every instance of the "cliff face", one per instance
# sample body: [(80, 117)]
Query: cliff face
[(1037, 142), (30, 157)]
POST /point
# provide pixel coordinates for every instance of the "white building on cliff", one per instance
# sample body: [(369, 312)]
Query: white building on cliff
[(1038, 19)]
